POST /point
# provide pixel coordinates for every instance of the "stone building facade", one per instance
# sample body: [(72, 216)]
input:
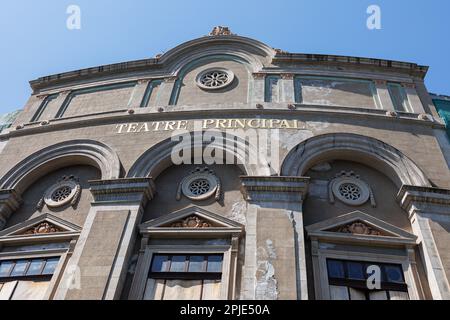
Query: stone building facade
[(93, 204)]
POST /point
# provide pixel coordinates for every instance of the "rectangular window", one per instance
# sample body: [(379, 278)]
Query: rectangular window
[(26, 279), (28, 267), (348, 281), (399, 97), (180, 277)]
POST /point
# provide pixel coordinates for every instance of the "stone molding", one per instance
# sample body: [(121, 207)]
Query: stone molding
[(133, 190), (90, 151), (9, 202), (370, 151), (274, 189), (416, 196)]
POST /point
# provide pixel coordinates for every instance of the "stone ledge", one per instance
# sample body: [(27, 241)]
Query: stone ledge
[(410, 195), (274, 189), (122, 190)]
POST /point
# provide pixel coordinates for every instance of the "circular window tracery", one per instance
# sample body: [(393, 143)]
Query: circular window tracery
[(199, 187), (61, 194), (201, 184), (350, 191), (66, 191), (216, 78)]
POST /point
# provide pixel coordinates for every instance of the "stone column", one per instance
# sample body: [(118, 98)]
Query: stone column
[(98, 267), (413, 98), (287, 88), (9, 202), (258, 88), (274, 249), (383, 95), (429, 210)]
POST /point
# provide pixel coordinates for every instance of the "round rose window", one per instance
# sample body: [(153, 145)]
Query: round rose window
[(350, 191), (215, 79), (199, 187)]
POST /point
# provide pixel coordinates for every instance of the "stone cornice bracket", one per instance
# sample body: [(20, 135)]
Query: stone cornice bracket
[(9, 202), (129, 190), (287, 76), (424, 199), (274, 189), (259, 76)]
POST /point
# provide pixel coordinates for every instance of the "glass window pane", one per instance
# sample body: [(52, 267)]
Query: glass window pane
[(394, 274), (5, 268), (35, 267), (355, 271), (178, 264), (196, 263), (336, 269), (50, 266), (214, 264), (19, 268), (160, 263)]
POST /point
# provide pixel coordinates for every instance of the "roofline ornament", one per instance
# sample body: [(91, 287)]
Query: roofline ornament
[(221, 31)]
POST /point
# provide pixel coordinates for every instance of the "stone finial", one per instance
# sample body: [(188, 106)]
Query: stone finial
[(221, 31)]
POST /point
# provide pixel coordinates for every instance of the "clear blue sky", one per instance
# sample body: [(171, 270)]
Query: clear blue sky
[(35, 41)]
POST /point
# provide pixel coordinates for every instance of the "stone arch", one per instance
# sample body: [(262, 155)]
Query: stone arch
[(158, 158), (242, 47), (60, 155), (353, 147)]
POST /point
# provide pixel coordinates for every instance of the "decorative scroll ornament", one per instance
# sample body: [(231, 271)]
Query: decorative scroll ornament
[(350, 189), (221, 31), (66, 191), (191, 222), (200, 184), (43, 228), (358, 227)]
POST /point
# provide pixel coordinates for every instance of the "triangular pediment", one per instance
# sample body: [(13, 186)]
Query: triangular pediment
[(193, 218), (360, 225), (45, 224)]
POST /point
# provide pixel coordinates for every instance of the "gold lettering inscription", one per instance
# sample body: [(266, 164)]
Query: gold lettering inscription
[(139, 127)]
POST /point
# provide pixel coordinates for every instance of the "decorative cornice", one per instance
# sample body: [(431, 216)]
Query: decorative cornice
[(274, 189), (409, 196), (9, 202), (133, 190)]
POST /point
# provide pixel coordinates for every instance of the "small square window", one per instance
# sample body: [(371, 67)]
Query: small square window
[(178, 264), (35, 267), (160, 263), (50, 266), (5, 268), (214, 264), (336, 269), (393, 274), (19, 268), (196, 264), (355, 271)]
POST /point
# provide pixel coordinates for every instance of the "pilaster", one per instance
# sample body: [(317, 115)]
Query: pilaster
[(413, 98), (279, 250), (426, 206), (383, 95), (107, 240), (258, 87)]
